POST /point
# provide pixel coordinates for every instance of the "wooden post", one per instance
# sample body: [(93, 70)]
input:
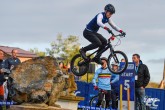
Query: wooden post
[(128, 98), (121, 97)]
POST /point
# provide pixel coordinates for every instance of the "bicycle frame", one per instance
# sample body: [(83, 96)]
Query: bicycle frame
[(103, 50)]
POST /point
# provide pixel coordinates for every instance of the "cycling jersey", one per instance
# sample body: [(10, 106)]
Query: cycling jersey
[(104, 77), (99, 21)]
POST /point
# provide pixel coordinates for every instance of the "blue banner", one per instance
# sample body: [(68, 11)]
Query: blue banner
[(127, 80)]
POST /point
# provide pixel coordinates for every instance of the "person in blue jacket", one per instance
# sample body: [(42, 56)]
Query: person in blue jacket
[(103, 75), (13, 60), (114, 86)]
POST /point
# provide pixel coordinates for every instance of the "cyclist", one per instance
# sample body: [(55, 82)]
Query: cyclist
[(103, 75), (90, 32)]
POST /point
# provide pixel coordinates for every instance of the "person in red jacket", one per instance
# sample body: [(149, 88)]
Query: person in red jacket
[(3, 66)]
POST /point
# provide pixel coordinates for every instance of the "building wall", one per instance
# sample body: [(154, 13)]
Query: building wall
[(24, 59)]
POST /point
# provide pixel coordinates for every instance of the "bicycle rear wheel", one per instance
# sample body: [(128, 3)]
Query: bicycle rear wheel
[(119, 59), (78, 66)]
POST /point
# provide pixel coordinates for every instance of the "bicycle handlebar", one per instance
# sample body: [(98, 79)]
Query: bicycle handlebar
[(113, 35), (110, 32)]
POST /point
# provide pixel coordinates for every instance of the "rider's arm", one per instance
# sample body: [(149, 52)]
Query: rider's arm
[(95, 78), (114, 26), (115, 79), (99, 20)]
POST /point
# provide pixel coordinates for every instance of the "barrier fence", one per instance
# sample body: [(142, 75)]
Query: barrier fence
[(155, 98)]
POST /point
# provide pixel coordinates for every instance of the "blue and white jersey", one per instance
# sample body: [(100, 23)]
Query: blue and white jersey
[(99, 21), (114, 80), (103, 76)]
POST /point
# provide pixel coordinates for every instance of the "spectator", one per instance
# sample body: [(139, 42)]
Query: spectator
[(115, 86), (122, 60), (63, 68), (142, 79), (68, 67), (2, 66), (103, 75), (13, 60), (61, 65)]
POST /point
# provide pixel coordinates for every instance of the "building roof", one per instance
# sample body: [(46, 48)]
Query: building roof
[(21, 52)]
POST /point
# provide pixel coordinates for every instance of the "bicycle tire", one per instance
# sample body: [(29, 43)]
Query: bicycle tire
[(78, 70), (123, 68), (92, 100)]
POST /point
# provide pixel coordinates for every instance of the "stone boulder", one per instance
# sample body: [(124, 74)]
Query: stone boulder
[(38, 80)]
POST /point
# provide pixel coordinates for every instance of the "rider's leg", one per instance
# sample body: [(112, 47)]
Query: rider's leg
[(104, 43), (114, 97), (101, 95), (107, 98), (93, 38)]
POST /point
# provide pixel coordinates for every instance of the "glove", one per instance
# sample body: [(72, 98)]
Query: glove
[(96, 88), (109, 31), (3, 70), (112, 38), (122, 32)]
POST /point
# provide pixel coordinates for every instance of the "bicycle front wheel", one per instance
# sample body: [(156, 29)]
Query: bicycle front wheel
[(78, 66), (93, 101), (117, 62)]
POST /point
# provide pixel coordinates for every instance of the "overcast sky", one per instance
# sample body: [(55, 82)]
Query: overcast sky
[(35, 23)]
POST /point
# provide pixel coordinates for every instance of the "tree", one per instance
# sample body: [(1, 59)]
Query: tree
[(64, 47), (39, 53)]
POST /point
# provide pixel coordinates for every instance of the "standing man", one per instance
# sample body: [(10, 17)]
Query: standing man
[(104, 76), (142, 79), (13, 60), (2, 67), (115, 86)]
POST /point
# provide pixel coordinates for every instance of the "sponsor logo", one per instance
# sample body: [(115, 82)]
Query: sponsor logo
[(6, 103), (152, 102), (91, 108), (130, 66)]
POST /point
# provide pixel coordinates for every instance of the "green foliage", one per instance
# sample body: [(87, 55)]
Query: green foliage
[(39, 53), (64, 47), (152, 85)]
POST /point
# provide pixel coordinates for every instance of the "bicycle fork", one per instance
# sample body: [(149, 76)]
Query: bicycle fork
[(113, 55)]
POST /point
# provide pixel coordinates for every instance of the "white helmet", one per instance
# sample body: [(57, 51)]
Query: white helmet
[(114, 63)]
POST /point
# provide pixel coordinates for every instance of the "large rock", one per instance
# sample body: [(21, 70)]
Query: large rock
[(37, 80)]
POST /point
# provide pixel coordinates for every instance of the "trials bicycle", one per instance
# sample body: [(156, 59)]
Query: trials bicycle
[(79, 66), (93, 101)]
